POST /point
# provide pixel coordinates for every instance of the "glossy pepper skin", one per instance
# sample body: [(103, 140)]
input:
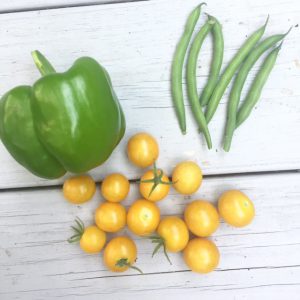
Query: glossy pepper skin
[(75, 116), (18, 134)]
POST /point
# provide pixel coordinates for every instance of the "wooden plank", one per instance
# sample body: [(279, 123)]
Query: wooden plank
[(135, 42), (25, 5), (262, 259), (236, 284)]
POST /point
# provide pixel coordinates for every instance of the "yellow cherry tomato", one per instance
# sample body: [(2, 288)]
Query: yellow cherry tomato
[(187, 177), (174, 233), (201, 255), (161, 190), (142, 150), (143, 217), (110, 217), (120, 254), (79, 189), (236, 208), (201, 217), (115, 187), (93, 239)]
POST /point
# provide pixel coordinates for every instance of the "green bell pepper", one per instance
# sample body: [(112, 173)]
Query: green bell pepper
[(68, 121)]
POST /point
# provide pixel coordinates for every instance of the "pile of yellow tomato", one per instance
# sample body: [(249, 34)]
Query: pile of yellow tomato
[(171, 233)]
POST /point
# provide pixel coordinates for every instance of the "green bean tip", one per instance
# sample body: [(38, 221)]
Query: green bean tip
[(198, 7), (267, 21), (288, 31), (202, 3), (226, 148), (211, 19)]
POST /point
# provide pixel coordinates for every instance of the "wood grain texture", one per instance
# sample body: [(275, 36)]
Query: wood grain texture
[(262, 259), (135, 42), (8, 6)]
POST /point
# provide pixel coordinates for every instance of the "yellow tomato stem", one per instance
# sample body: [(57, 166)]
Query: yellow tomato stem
[(160, 241), (122, 262), (79, 223), (166, 254), (156, 180), (76, 229), (79, 230), (136, 268), (157, 247)]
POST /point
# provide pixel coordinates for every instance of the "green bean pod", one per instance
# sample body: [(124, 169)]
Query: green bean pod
[(257, 86), (192, 79), (217, 59), (235, 94), (177, 66), (230, 71)]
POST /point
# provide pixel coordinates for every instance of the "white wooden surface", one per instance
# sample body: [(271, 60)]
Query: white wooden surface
[(135, 42), (261, 259), (7, 6)]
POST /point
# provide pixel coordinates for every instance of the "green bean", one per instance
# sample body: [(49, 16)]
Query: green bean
[(239, 82), (217, 59), (177, 66), (192, 82), (257, 86), (230, 71)]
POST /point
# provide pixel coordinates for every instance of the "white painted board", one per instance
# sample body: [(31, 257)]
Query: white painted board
[(135, 42), (262, 259), (20, 5)]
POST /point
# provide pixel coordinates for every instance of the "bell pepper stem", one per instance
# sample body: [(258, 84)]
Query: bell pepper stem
[(42, 63)]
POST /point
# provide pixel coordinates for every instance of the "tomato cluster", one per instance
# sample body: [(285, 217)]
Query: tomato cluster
[(171, 233)]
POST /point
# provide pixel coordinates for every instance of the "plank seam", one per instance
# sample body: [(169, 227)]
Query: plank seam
[(208, 176), (185, 271)]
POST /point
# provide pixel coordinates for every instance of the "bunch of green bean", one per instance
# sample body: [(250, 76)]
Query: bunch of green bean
[(177, 70), (236, 117), (215, 87)]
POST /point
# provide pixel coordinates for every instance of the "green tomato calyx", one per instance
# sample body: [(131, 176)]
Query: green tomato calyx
[(78, 230), (123, 262)]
